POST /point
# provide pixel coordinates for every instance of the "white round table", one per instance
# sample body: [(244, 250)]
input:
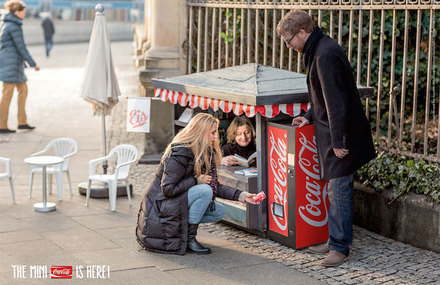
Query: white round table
[(43, 162)]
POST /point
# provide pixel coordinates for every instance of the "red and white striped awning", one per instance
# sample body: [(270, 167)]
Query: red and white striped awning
[(193, 101)]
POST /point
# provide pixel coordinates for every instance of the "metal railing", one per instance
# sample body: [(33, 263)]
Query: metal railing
[(393, 46)]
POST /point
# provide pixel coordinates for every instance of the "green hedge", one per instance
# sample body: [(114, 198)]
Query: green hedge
[(402, 175)]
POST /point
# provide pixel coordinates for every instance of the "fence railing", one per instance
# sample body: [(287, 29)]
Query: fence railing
[(393, 46)]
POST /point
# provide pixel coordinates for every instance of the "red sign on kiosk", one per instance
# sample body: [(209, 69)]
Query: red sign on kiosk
[(277, 147), (311, 193), (297, 198)]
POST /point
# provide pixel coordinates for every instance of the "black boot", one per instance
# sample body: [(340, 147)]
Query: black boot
[(193, 245)]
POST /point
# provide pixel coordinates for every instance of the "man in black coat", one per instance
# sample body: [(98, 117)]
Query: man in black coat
[(343, 134)]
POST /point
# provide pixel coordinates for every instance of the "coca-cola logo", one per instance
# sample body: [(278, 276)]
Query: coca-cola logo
[(278, 168), (137, 118), (60, 272), (311, 213)]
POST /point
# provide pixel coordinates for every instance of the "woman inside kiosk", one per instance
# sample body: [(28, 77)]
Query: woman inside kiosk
[(183, 192), (240, 141)]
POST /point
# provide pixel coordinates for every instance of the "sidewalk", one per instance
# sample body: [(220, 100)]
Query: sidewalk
[(79, 236)]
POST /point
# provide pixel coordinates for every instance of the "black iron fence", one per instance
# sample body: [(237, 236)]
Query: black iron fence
[(393, 46)]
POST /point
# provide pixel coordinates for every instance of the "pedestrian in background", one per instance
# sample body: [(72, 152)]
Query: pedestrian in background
[(13, 55), (49, 31), (343, 134), (183, 192)]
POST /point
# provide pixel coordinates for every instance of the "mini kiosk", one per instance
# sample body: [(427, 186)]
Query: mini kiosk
[(296, 209)]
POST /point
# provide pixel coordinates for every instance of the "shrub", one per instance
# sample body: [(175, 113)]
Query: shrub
[(402, 175)]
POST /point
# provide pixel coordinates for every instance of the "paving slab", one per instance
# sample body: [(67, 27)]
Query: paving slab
[(265, 273), (147, 275), (8, 278), (118, 233), (9, 223), (80, 240), (19, 236), (103, 221), (6, 262), (233, 256), (49, 222), (117, 259), (35, 248), (171, 262)]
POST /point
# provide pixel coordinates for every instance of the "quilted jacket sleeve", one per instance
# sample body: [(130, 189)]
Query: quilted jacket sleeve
[(227, 192), (18, 40), (177, 175)]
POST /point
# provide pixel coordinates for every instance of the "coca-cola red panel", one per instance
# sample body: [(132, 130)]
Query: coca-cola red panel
[(311, 193), (277, 180)]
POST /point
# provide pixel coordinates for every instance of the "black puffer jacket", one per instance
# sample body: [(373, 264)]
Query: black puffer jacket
[(163, 215)]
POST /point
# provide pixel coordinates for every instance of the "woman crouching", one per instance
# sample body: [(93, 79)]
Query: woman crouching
[(183, 192)]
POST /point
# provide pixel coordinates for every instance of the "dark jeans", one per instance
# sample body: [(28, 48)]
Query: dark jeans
[(340, 223), (48, 42)]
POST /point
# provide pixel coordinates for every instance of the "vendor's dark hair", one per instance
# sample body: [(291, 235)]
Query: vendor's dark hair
[(239, 121), (15, 5)]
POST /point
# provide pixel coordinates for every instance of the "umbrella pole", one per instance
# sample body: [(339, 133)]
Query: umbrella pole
[(104, 140)]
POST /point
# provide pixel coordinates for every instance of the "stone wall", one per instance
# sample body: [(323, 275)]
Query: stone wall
[(410, 219)]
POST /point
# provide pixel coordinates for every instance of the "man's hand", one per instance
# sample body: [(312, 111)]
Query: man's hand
[(300, 121), (36, 67), (340, 152), (204, 179)]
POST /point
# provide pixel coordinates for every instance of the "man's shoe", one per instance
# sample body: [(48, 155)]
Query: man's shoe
[(334, 258), (25, 127), (319, 249), (6, 131)]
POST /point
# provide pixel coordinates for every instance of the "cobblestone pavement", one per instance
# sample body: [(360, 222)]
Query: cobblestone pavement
[(374, 260)]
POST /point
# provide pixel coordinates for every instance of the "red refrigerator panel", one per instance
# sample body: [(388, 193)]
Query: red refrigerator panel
[(297, 199), (277, 180), (311, 193)]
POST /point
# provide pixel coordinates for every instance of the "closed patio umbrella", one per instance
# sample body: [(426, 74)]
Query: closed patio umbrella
[(99, 84), (100, 87)]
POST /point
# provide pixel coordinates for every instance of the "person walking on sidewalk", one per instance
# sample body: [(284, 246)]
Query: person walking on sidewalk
[(183, 192), (49, 31), (13, 54), (343, 134)]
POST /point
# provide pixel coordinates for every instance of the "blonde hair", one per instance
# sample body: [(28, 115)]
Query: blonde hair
[(239, 121), (15, 5), (195, 136), (294, 21)]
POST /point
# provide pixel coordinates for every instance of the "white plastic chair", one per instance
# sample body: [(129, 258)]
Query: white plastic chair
[(126, 154), (62, 147), (8, 174)]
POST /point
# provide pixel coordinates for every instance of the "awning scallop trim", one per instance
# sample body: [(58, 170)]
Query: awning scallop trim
[(193, 101)]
